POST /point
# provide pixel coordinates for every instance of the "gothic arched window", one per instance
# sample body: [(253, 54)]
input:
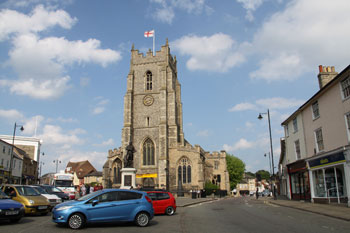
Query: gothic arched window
[(184, 171), (117, 174), (148, 152), (148, 81)]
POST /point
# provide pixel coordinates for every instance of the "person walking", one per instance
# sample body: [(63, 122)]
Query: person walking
[(257, 193)]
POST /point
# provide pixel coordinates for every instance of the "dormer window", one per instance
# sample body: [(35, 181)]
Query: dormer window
[(148, 81)]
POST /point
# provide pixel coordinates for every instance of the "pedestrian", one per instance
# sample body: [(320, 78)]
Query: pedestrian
[(257, 193), (83, 190), (87, 188), (92, 189), (77, 193)]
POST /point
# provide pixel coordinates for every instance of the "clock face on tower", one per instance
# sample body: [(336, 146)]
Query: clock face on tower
[(148, 100)]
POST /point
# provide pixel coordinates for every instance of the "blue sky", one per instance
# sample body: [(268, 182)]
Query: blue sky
[(63, 68)]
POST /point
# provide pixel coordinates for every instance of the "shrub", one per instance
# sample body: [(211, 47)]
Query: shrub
[(210, 188)]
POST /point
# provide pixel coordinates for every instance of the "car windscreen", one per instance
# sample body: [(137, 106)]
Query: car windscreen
[(40, 190), (27, 191), (87, 197), (64, 183), (52, 189), (3, 195)]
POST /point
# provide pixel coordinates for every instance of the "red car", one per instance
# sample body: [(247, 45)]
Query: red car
[(163, 202)]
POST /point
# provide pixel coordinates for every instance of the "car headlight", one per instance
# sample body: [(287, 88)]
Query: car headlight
[(63, 208), (31, 202)]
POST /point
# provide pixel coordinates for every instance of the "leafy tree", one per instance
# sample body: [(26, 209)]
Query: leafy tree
[(265, 175), (250, 174), (235, 168)]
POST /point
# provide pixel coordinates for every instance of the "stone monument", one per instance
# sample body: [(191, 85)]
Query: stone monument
[(129, 172)]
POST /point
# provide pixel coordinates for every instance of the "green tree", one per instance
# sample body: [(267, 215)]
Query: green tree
[(235, 168), (265, 175)]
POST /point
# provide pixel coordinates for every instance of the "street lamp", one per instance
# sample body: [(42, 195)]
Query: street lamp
[(56, 161), (13, 145), (273, 167)]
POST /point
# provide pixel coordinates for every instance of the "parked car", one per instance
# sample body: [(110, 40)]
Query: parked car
[(53, 190), (266, 193), (52, 198), (10, 209), (106, 205), (32, 201), (163, 202)]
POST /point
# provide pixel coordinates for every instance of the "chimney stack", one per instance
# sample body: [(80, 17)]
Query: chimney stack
[(325, 75)]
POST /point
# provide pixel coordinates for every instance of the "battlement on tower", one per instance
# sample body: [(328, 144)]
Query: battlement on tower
[(163, 55)]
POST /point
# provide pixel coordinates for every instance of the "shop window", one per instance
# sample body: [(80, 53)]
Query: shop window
[(331, 182), (319, 185)]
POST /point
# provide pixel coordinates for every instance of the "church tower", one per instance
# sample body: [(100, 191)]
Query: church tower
[(153, 123), (152, 114)]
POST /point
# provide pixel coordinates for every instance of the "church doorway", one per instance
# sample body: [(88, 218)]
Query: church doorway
[(148, 183)]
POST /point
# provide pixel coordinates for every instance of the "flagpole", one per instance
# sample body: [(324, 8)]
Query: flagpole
[(154, 38)]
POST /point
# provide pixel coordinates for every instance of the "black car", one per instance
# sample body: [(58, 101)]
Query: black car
[(53, 190)]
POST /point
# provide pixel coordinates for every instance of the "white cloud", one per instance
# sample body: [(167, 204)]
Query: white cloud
[(40, 19), (307, 33), (243, 107), (268, 103), (94, 157), (32, 124), (279, 103), (12, 114), (53, 134), (38, 89), (220, 54), (242, 144), (100, 106), (41, 63), (109, 142), (203, 133), (166, 12), (250, 6), (249, 125)]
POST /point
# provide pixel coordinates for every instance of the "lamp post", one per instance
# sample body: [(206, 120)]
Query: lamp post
[(269, 161), (273, 167), (13, 145), (56, 161)]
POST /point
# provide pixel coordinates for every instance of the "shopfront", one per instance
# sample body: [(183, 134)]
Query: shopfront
[(299, 181), (328, 178)]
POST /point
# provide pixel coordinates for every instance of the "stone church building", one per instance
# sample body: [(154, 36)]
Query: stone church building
[(153, 123)]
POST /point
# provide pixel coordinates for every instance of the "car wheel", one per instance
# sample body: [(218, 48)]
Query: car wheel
[(76, 221), (169, 211), (142, 219)]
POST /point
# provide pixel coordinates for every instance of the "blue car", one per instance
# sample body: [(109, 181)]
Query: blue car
[(108, 205), (10, 209)]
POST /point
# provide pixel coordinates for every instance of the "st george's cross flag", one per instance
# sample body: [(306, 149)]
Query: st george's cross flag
[(149, 33)]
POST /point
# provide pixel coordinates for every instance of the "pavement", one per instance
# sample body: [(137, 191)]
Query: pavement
[(331, 210)]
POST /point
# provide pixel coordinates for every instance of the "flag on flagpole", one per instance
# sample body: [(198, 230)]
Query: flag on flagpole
[(149, 33)]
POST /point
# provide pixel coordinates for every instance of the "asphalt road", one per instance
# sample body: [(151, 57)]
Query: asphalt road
[(239, 215)]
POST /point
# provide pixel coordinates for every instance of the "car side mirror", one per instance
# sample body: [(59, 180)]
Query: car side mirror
[(94, 202)]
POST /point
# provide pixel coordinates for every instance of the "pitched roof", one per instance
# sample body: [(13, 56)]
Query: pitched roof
[(81, 168)]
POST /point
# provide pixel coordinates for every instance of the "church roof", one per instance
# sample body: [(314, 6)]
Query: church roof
[(81, 168)]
